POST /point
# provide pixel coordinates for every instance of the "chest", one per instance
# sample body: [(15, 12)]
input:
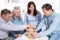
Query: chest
[(48, 21), (32, 18)]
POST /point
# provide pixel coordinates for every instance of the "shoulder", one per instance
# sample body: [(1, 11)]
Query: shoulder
[(26, 14), (38, 13), (56, 15)]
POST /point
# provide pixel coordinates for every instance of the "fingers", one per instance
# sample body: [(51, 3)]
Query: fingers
[(18, 35), (29, 26)]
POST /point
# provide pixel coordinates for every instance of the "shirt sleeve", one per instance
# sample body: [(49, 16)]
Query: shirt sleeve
[(11, 27), (26, 18), (51, 28), (39, 17), (41, 24)]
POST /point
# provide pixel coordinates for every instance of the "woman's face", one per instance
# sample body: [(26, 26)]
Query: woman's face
[(31, 8)]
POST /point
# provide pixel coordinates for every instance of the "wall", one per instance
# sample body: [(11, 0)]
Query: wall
[(23, 4)]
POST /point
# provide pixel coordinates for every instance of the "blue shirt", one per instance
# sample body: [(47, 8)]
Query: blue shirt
[(53, 26), (5, 27), (17, 21), (35, 20)]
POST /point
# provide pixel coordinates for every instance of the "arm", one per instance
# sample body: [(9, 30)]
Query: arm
[(39, 16), (11, 27), (51, 28), (41, 24), (25, 18)]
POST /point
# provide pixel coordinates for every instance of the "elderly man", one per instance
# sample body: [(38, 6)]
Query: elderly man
[(6, 25)]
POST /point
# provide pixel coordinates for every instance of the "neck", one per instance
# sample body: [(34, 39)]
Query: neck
[(31, 13)]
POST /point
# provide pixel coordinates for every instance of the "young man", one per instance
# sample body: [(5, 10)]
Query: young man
[(52, 21), (6, 25)]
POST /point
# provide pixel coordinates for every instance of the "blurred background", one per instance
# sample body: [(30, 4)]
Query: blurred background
[(9, 4)]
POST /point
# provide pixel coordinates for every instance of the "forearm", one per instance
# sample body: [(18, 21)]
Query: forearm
[(12, 27)]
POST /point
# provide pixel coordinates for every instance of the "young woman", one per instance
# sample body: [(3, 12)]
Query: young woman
[(32, 16)]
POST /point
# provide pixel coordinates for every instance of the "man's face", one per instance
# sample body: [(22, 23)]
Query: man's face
[(6, 17), (17, 13), (47, 12)]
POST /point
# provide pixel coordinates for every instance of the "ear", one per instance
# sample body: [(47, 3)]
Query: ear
[(50, 9)]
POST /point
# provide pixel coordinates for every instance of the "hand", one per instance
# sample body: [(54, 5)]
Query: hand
[(35, 35), (27, 27), (18, 35), (30, 26)]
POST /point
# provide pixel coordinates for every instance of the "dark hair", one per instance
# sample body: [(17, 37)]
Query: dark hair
[(35, 11), (5, 11), (47, 6)]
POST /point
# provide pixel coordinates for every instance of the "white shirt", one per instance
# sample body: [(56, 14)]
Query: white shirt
[(9, 26), (23, 37)]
